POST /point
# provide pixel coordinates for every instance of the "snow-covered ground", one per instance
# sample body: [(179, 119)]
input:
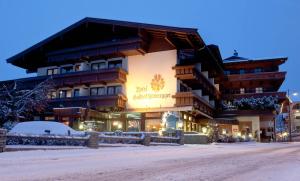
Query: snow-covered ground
[(243, 161)]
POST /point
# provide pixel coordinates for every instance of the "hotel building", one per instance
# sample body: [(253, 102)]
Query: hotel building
[(116, 75)]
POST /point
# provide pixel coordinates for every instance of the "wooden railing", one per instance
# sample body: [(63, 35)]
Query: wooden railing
[(257, 76), (117, 75), (191, 99), (189, 72), (118, 101)]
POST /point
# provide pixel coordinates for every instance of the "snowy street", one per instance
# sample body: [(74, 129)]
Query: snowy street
[(244, 161)]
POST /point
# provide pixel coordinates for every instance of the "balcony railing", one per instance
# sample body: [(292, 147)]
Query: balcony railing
[(191, 99), (105, 76), (257, 76), (109, 101), (189, 72), (280, 95)]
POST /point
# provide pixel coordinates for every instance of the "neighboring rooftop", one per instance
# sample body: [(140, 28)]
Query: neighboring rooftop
[(237, 59)]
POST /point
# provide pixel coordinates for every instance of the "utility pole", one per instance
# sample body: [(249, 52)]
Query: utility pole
[(290, 117)]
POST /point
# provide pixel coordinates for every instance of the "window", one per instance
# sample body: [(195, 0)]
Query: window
[(242, 90), (52, 95), (118, 90), (98, 66), (76, 93), (63, 94), (98, 91), (101, 91), (52, 71), (115, 64), (66, 69), (227, 72), (94, 91), (258, 90), (257, 70), (242, 71), (113, 90)]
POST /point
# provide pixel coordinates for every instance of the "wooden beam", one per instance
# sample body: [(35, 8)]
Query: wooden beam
[(168, 38)]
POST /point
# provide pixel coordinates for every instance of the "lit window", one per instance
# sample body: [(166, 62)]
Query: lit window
[(259, 90), (53, 95), (242, 90), (52, 71)]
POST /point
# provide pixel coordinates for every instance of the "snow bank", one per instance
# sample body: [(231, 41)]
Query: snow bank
[(43, 128)]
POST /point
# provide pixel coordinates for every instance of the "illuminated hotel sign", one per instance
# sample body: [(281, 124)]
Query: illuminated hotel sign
[(157, 84), (151, 80)]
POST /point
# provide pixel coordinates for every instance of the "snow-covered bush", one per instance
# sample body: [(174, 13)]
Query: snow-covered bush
[(260, 103)]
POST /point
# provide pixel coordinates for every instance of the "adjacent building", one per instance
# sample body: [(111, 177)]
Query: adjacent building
[(116, 75)]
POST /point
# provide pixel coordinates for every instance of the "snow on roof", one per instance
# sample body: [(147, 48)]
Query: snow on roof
[(40, 127)]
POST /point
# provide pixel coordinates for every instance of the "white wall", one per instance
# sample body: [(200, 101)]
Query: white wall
[(141, 72)]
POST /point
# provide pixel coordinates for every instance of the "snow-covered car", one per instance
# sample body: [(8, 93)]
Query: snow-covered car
[(44, 128)]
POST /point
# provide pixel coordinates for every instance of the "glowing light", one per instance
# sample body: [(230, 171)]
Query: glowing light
[(190, 118), (204, 130), (250, 135), (284, 134), (244, 137), (184, 116), (297, 111), (224, 131), (81, 126), (119, 126), (239, 134), (115, 123), (295, 94), (180, 124)]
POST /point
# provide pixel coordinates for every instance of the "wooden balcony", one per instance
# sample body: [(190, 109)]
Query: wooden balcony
[(195, 79), (281, 95), (116, 102), (191, 99), (257, 76), (105, 76)]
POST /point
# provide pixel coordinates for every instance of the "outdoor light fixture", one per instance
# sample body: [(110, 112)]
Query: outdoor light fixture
[(184, 116), (119, 126), (204, 130), (81, 126), (115, 123)]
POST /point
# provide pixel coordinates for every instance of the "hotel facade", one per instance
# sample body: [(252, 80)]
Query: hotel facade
[(115, 75)]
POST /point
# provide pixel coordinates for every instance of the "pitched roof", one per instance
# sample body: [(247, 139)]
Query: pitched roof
[(16, 59)]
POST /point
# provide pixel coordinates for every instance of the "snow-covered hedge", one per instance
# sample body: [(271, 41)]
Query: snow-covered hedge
[(46, 140)]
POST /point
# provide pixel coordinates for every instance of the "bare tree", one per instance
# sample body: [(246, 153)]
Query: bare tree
[(16, 103)]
